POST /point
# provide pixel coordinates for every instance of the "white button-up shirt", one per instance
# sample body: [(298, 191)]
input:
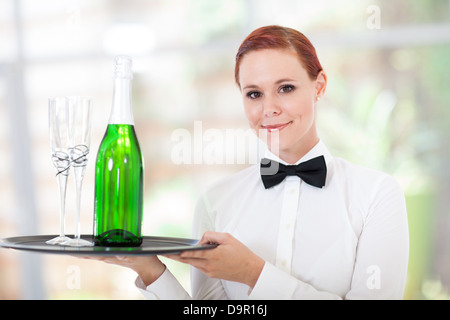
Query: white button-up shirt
[(347, 240)]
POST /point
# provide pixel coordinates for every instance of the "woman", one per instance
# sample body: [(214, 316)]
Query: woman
[(335, 231)]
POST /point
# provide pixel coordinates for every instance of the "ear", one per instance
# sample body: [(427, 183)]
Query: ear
[(321, 84)]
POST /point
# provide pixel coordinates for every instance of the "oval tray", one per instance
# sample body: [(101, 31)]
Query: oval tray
[(150, 246)]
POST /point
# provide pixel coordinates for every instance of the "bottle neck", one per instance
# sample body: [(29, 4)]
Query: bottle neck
[(121, 112)]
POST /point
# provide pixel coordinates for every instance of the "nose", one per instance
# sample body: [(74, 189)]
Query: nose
[(271, 106)]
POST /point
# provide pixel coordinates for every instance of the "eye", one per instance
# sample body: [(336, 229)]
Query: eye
[(287, 88), (254, 94)]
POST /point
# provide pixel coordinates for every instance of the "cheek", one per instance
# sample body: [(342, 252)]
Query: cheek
[(252, 114), (302, 108)]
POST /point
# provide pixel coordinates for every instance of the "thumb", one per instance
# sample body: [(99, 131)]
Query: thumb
[(212, 237)]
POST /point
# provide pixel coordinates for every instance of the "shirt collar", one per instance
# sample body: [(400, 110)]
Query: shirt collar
[(318, 150)]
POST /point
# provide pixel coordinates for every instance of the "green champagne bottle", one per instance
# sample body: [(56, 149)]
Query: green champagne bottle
[(119, 170)]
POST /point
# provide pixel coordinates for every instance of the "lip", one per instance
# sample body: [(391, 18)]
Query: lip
[(276, 127)]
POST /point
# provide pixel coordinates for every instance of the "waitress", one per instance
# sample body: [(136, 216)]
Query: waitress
[(302, 224)]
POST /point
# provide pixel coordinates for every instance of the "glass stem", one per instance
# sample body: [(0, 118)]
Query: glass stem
[(62, 185), (78, 175)]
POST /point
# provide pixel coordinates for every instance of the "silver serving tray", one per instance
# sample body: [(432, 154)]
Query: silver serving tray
[(150, 246)]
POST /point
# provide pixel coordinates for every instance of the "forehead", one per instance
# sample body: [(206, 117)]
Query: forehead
[(270, 65)]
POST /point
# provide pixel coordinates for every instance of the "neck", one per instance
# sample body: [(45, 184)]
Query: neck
[(121, 112), (293, 154)]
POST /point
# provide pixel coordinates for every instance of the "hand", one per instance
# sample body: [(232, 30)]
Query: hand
[(149, 268), (230, 260)]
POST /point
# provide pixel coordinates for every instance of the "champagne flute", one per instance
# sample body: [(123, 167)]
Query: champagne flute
[(59, 142), (80, 111)]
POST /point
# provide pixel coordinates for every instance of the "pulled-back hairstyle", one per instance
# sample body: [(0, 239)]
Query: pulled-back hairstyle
[(277, 37)]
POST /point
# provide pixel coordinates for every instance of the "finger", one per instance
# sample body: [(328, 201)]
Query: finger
[(88, 257), (198, 263), (186, 257), (194, 262), (197, 254), (175, 257), (110, 260), (171, 256), (122, 258), (210, 237)]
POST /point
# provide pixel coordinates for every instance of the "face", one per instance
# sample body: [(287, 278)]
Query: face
[(280, 101)]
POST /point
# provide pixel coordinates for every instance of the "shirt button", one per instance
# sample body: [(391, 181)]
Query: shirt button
[(288, 226), (292, 191)]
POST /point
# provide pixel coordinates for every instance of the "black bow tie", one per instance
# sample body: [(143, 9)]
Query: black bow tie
[(313, 172)]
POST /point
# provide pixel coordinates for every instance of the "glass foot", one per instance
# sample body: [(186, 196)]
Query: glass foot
[(58, 240), (77, 243)]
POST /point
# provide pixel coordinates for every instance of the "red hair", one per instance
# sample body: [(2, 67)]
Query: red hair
[(277, 37)]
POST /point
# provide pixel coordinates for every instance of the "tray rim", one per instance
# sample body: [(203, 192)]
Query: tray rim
[(178, 245)]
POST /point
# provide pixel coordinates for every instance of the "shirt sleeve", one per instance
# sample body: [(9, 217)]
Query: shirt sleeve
[(383, 247), (381, 258), (275, 284), (204, 287), (167, 287)]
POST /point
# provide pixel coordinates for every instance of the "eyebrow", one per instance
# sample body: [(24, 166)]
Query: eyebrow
[(254, 86)]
